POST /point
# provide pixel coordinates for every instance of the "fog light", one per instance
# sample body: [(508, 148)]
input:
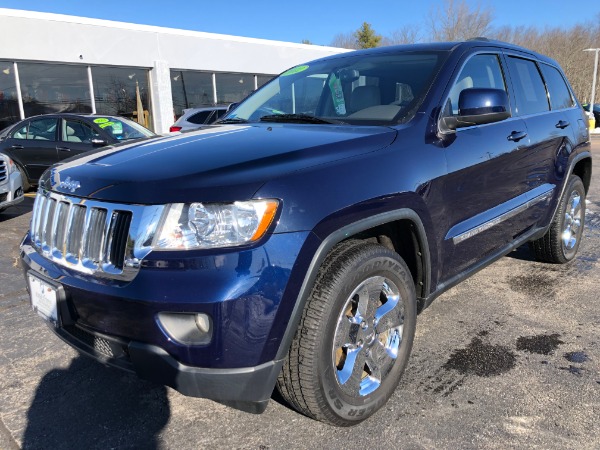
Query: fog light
[(187, 328)]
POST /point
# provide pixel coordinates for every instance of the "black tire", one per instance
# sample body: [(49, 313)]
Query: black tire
[(24, 180), (340, 368), (561, 242)]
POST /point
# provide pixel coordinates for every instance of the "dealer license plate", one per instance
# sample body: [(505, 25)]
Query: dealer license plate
[(43, 298)]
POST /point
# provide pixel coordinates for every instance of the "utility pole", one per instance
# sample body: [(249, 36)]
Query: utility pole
[(596, 50)]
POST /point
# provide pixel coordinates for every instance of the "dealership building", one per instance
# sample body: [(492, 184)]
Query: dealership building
[(81, 65)]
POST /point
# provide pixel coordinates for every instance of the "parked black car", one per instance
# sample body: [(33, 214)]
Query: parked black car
[(40, 141), (294, 244)]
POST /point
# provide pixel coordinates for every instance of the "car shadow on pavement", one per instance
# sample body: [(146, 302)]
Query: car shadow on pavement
[(89, 405), (522, 253), (18, 210)]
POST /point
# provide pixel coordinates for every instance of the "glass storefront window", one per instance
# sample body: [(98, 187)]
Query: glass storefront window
[(9, 104), (116, 92), (191, 90), (54, 88), (261, 80), (233, 87)]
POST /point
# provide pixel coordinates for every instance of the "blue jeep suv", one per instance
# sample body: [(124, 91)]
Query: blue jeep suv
[(294, 243)]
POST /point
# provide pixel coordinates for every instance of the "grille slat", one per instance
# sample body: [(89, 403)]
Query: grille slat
[(93, 238), (87, 238), (76, 223), (48, 221), (3, 170), (118, 244), (60, 230)]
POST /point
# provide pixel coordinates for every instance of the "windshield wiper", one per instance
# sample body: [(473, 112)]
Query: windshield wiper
[(296, 118), (232, 120)]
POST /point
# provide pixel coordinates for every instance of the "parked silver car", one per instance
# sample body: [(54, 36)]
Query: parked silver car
[(194, 118), (11, 188)]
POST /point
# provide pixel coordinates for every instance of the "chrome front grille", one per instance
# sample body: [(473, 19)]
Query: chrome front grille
[(93, 237), (3, 171), (78, 234)]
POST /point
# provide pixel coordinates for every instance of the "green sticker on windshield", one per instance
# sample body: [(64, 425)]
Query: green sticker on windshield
[(338, 95), (101, 120), (117, 128), (294, 70), (106, 124)]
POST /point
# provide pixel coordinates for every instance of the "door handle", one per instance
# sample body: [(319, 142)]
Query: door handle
[(516, 136), (63, 149), (16, 146), (562, 124)]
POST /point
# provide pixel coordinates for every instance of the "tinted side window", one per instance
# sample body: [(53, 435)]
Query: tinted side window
[(21, 132), (530, 92), (199, 118), (219, 113), (560, 96), (75, 131), (42, 129), (481, 71)]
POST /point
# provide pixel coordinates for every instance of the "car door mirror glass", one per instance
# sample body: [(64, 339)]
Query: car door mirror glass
[(478, 106)]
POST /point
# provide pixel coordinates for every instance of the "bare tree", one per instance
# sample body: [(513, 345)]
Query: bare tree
[(563, 45), (345, 40), (408, 34), (455, 20)]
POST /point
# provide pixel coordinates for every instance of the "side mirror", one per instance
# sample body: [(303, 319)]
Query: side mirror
[(477, 106), (97, 142)]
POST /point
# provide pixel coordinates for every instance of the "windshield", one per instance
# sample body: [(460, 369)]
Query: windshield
[(122, 129), (380, 88)]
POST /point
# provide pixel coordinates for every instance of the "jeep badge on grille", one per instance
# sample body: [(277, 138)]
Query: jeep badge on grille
[(71, 185)]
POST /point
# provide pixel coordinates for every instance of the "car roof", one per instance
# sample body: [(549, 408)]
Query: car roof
[(84, 115), (204, 108), (443, 46)]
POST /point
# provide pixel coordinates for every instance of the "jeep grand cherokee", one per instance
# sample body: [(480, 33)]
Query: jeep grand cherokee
[(294, 243)]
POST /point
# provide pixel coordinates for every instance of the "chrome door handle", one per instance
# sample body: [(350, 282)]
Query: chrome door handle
[(516, 136)]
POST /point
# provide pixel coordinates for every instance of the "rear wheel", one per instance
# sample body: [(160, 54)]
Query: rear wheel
[(561, 242), (355, 337)]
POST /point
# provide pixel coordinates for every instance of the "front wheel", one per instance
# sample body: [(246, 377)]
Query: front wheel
[(355, 337), (561, 241)]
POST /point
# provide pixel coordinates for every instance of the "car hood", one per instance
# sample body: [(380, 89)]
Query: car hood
[(215, 164)]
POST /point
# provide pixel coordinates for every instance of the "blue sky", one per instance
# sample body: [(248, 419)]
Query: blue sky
[(318, 21)]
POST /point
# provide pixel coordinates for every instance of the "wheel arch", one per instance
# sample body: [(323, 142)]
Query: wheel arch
[(400, 230), (583, 169)]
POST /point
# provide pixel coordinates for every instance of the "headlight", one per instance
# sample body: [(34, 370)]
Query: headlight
[(210, 225), (12, 167)]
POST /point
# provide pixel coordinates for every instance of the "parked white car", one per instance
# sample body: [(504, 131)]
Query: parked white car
[(11, 187), (194, 118)]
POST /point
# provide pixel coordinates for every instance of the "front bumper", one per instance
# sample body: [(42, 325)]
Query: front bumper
[(11, 191), (116, 322), (248, 389)]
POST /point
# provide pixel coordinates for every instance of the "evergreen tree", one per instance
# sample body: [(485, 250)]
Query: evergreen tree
[(366, 36)]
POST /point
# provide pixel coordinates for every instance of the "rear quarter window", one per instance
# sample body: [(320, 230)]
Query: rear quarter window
[(199, 118), (560, 95)]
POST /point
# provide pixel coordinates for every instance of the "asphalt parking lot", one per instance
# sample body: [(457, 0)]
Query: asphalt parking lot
[(508, 359)]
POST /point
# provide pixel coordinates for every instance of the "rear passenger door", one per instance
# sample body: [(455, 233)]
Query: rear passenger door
[(487, 177), (542, 102)]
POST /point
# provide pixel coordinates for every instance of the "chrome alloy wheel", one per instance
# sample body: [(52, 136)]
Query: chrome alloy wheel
[(367, 336), (572, 221)]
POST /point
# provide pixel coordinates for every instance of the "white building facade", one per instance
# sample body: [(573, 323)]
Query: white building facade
[(76, 64)]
